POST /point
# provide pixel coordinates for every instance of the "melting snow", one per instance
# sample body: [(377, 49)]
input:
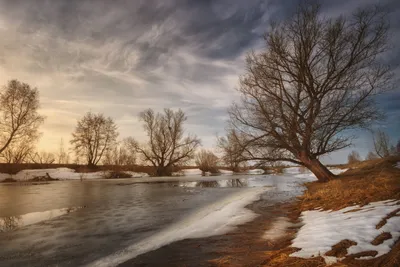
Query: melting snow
[(62, 174), (323, 229)]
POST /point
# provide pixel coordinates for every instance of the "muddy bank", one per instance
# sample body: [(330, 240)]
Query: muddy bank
[(241, 247)]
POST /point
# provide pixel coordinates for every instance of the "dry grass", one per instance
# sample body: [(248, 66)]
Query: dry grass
[(381, 238), (366, 182), (340, 249)]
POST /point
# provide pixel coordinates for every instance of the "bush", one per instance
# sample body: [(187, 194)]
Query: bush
[(207, 161), (118, 174), (353, 157)]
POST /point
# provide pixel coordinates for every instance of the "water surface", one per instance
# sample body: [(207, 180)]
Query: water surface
[(73, 223)]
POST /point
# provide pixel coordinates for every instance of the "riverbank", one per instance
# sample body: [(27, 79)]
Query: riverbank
[(365, 188)]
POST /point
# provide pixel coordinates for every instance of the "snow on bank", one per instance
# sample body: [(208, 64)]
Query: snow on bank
[(398, 165), (323, 229), (215, 219), (226, 172), (62, 174)]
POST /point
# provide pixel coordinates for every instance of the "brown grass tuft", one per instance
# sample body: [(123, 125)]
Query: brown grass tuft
[(380, 238), (340, 249), (384, 220), (371, 253)]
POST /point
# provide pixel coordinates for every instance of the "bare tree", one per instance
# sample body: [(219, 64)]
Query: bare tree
[(43, 157), (122, 154), (167, 146), (398, 148), (371, 156), (93, 136), (19, 118), (207, 161), (231, 150), (382, 144), (353, 157), (20, 150), (315, 80)]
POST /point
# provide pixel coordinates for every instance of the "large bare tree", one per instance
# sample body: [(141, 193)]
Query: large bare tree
[(167, 147), (93, 136), (315, 80), (19, 117)]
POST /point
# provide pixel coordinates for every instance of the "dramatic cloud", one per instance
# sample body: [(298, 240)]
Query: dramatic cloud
[(121, 57)]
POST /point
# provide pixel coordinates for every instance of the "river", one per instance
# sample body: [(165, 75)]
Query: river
[(107, 222)]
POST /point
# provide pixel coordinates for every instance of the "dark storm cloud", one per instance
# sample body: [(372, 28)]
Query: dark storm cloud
[(120, 57)]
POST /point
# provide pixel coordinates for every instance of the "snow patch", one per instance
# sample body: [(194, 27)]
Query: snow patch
[(398, 165), (226, 172), (323, 229), (215, 219), (62, 174)]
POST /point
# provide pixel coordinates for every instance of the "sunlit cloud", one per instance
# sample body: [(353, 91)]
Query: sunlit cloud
[(121, 57)]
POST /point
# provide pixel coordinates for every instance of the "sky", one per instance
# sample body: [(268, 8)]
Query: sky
[(122, 57)]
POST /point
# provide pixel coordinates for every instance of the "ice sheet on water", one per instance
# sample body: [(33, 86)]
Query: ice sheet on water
[(215, 219), (14, 222), (323, 229)]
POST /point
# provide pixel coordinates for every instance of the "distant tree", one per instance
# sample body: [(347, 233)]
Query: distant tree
[(382, 144), (167, 147), (316, 79), (20, 150), (42, 157), (123, 154), (19, 117), (207, 161), (353, 157), (398, 148), (371, 156), (93, 136), (231, 150)]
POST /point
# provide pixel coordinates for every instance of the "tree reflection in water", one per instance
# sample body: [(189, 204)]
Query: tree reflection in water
[(9, 223), (207, 184), (236, 183)]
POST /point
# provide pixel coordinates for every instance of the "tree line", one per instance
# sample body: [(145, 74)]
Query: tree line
[(315, 79)]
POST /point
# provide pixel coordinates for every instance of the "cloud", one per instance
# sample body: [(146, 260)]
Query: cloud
[(121, 57)]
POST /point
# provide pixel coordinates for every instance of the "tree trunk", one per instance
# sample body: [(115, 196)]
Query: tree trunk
[(316, 167)]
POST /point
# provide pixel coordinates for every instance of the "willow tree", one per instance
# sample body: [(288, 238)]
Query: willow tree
[(167, 146), (315, 79)]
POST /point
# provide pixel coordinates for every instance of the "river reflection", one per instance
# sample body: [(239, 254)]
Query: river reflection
[(13, 222), (216, 183), (236, 183), (207, 184)]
